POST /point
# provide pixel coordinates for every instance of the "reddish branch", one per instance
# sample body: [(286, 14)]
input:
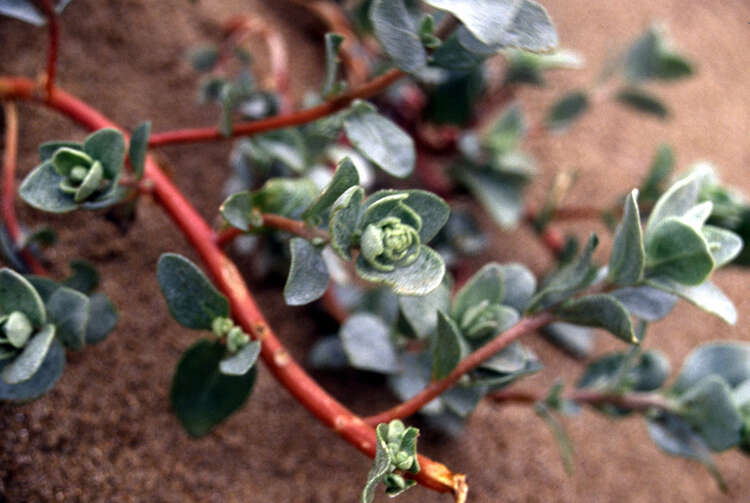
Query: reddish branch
[(371, 88), (436, 388), (54, 42), (270, 220), (632, 401), (244, 309), (10, 161), (242, 26)]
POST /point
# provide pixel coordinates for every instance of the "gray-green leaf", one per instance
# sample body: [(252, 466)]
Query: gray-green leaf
[(26, 364), (192, 300), (567, 109), (396, 29), (240, 364), (709, 408), (17, 294), (380, 140), (601, 311), (69, 311), (418, 278), (344, 218), (447, 347), (676, 250), (138, 147), (367, 343), (308, 274), (628, 254), (345, 177)]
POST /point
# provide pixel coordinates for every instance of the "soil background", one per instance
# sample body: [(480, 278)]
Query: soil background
[(105, 432)]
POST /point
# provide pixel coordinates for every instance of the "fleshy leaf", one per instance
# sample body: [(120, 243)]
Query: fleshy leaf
[(346, 176), (240, 363), (380, 140), (102, 318), (709, 408), (575, 340), (331, 84), (418, 278), (706, 296), (192, 300), (421, 312), (17, 294), (447, 347), (367, 343), (26, 364), (344, 218), (485, 285), (308, 275), (567, 109), (381, 466), (43, 379), (601, 311), (645, 302), (675, 202), (41, 190), (499, 194), (520, 285), (108, 147), (727, 359), (678, 251), (724, 245), (84, 277), (69, 311), (628, 254), (201, 395), (395, 27)]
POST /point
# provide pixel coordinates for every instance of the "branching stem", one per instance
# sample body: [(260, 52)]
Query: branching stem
[(278, 222), (633, 401), (434, 389)]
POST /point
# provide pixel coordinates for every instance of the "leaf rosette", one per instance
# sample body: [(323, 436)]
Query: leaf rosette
[(74, 175)]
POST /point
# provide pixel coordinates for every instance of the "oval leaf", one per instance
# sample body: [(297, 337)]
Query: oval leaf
[(628, 254), (601, 311), (367, 343), (26, 364), (43, 379), (192, 300), (17, 294), (308, 274), (240, 363)]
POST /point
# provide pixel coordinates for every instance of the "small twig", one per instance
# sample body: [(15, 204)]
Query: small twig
[(270, 220), (631, 401), (374, 86), (10, 161), (435, 388)]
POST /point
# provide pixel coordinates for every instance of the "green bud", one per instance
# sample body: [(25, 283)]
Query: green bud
[(91, 183), (403, 460), (396, 430), (236, 339), (395, 481), (78, 173), (17, 328), (221, 326), (390, 244)]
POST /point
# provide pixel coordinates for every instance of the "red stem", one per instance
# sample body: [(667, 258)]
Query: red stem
[(54, 43), (10, 161), (245, 311), (273, 221), (434, 389), (280, 121)]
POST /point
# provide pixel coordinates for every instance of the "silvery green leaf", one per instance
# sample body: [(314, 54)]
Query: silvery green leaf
[(709, 408), (520, 285), (344, 218), (698, 214), (367, 342), (724, 245), (239, 364), (568, 280), (18, 294), (201, 396), (328, 353), (728, 359), (308, 275), (43, 379), (647, 373), (17, 328), (346, 176), (674, 436), (500, 195), (678, 251), (84, 277), (108, 147), (282, 196), (432, 212), (650, 57), (531, 29), (567, 109), (485, 285), (41, 190), (447, 348), (601, 311), (507, 131), (192, 300), (102, 318), (418, 278), (27, 10), (138, 147), (511, 359), (380, 140), (645, 302), (66, 158), (26, 364), (381, 465), (675, 202), (488, 20), (573, 339), (628, 254), (69, 311), (48, 149), (421, 312), (395, 26), (462, 400), (331, 84), (706, 296), (414, 376)]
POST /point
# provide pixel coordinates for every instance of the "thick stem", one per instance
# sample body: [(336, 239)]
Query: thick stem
[(245, 311), (435, 388), (10, 161), (633, 401), (280, 121)]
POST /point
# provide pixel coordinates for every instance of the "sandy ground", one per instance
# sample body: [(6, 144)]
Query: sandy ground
[(105, 432)]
